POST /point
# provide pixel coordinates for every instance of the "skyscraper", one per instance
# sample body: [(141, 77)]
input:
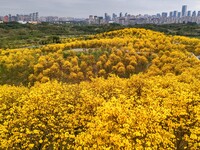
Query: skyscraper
[(179, 14), (9, 17), (36, 16), (120, 14), (114, 16), (6, 19), (126, 14), (189, 13), (158, 15), (184, 10), (164, 14), (198, 13), (107, 17), (194, 14), (171, 14), (175, 14)]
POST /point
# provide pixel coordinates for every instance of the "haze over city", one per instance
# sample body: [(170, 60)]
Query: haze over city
[(83, 8)]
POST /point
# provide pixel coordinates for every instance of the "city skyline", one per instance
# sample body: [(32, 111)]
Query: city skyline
[(183, 16), (84, 8)]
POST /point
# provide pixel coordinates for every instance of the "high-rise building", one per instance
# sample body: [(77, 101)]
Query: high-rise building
[(198, 14), (184, 10), (13, 19), (164, 14), (9, 18), (95, 17), (179, 14), (171, 14), (100, 20), (194, 14), (17, 17), (158, 15), (1, 18), (36, 16), (107, 17), (175, 14), (114, 16), (91, 17), (6, 19), (120, 15), (126, 14), (31, 16), (189, 13)]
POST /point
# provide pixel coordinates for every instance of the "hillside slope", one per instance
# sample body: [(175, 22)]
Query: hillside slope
[(126, 89), (121, 52)]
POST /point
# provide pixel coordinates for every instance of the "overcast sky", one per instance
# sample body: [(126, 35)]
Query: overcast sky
[(83, 8)]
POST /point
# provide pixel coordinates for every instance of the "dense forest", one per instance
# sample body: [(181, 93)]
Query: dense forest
[(129, 88), (16, 35)]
